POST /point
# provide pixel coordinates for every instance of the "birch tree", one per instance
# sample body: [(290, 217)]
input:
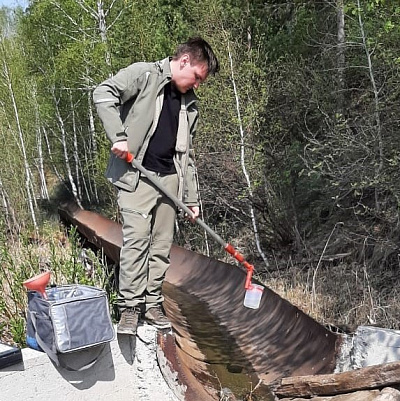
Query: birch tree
[(9, 68), (341, 58), (375, 90), (40, 164), (8, 210), (243, 158), (64, 144), (65, 42)]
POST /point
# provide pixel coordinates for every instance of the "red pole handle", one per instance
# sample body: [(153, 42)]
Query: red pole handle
[(240, 258)]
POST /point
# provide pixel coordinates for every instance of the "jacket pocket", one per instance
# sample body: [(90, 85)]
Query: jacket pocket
[(134, 211), (122, 174)]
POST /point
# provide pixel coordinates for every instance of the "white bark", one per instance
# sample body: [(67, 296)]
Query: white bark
[(28, 174), (243, 160), (61, 126), (93, 142), (102, 24), (378, 125), (44, 193), (76, 150), (9, 213), (50, 153), (341, 39), (99, 15)]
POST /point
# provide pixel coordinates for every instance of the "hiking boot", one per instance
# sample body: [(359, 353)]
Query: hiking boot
[(129, 321), (155, 316)]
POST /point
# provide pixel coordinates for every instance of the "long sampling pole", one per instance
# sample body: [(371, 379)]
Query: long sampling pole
[(228, 247)]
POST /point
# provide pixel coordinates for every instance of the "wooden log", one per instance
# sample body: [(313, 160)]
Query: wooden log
[(365, 395), (338, 383)]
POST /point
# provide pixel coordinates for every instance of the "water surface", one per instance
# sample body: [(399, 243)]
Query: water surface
[(207, 343)]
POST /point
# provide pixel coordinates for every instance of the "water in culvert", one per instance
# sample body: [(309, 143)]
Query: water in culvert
[(200, 336)]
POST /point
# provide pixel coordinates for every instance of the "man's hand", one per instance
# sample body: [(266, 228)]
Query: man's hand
[(120, 149), (195, 213)]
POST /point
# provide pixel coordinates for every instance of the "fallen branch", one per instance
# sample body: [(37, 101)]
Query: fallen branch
[(338, 383)]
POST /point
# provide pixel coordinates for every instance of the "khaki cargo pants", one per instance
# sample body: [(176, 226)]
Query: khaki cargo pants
[(148, 231)]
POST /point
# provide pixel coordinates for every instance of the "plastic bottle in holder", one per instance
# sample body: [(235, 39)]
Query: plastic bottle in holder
[(253, 296)]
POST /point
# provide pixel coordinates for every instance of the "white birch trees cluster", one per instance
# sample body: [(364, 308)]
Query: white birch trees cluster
[(298, 131)]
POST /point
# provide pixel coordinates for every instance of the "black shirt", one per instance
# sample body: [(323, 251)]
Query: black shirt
[(161, 149)]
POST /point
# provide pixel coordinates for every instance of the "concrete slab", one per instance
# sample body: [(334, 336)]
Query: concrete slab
[(374, 346), (368, 346), (127, 369)]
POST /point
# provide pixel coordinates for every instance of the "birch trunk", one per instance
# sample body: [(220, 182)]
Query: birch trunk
[(102, 24), (76, 151), (11, 221), (44, 193), (243, 160), (99, 15), (28, 173), (341, 59), (378, 125), (92, 143), (50, 153), (61, 126)]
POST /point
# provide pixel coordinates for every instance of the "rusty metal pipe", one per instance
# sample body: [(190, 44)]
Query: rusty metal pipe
[(277, 340)]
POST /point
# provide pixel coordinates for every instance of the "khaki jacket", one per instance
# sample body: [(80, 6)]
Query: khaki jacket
[(129, 106)]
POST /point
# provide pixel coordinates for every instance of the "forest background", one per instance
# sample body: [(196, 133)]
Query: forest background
[(297, 149)]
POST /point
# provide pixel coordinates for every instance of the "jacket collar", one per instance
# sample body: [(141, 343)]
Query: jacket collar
[(165, 69)]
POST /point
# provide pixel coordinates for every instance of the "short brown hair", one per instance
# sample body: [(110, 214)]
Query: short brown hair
[(200, 51)]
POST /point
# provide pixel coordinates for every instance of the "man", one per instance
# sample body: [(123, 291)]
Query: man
[(149, 110)]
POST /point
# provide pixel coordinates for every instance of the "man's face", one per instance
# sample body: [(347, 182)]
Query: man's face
[(188, 75)]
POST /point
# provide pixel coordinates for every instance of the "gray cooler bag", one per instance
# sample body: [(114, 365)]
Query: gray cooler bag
[(72, 325)]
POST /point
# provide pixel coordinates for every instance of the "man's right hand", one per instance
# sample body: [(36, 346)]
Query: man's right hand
[(120, 149)]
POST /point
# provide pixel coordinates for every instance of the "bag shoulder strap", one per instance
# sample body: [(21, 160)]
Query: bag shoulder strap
[(50, 352)]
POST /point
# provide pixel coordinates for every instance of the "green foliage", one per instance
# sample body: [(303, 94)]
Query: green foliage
[(316, 152), (18, 330)]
